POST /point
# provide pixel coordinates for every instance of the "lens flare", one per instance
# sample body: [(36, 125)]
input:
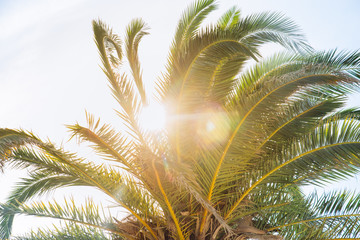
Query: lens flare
[(213, 127)]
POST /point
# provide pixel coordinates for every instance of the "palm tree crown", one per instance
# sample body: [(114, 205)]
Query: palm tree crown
[(239, 143)]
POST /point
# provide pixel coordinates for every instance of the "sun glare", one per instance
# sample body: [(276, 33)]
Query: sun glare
[(153, 117)]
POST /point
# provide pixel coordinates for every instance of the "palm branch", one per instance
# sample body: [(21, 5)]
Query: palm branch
[(240, 142)]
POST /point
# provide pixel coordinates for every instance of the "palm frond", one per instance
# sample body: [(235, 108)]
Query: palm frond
[(298, 117), (11, 139), (229, 18), (134, 33), (107, 43), (68, 231), (121, 87), (335, 213), (323, 147), (106, 141), (268, 104), (168, 204), (106, 180), (88, 214), (345, 113), (36, 184), (191, 20), (273, 27)]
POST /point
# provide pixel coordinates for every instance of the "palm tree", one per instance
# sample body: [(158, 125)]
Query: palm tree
[(239, 144)]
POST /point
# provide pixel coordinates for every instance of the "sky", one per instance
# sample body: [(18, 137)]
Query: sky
[(49, 64)]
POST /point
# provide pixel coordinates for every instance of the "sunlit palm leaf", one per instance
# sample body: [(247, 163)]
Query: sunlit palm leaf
[(134, 33), (70, 231), (229, 18)]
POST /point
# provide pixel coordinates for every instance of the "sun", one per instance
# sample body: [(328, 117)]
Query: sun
[(153, 117)]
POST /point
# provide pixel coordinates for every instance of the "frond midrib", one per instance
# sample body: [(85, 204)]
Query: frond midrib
[(281, 166)]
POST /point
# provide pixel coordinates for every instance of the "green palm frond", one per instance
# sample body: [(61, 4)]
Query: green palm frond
[(334, 214), (134, 33), (326, 147), (69, 231), (218, 37), (321, 148), (36, 184), (88, 214), (105, 179), (229, 18), (187, 28), (107, 43), (344, 61), (335, 202), (123, 92), (106, 141), (343, 65), (296, 118), (283, 61), (191, 20), (263, 105), (345, 113), (272, 27), (122, 89), (11, 139)]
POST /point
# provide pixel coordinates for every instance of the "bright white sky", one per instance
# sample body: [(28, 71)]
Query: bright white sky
[(49, 65)]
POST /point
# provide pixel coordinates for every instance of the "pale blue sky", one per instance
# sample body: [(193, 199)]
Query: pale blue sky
[(49, 65)]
